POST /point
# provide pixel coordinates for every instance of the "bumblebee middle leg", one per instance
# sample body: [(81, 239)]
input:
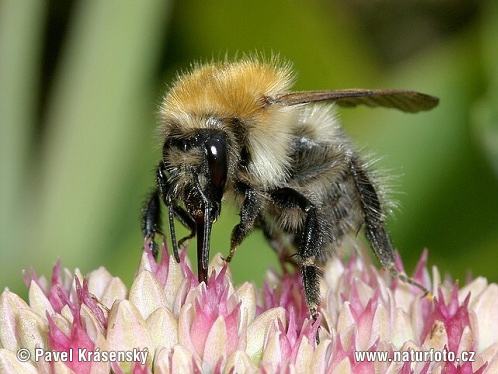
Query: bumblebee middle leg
[(248, 214), (310, 243)]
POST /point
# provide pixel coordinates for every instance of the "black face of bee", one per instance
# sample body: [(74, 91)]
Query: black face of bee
[(205, 181), (193, 171)]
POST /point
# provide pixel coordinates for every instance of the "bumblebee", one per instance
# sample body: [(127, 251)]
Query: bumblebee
[(234, 130)]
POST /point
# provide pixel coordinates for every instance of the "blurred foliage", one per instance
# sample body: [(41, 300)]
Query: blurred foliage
[(81, 81)]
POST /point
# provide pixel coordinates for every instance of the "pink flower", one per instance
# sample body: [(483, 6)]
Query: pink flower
[(169, 323)]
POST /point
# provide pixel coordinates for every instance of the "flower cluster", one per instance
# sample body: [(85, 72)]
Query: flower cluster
[(184, 326)]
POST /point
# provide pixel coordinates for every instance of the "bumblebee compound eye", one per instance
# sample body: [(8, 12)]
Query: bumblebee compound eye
[(217, 160)]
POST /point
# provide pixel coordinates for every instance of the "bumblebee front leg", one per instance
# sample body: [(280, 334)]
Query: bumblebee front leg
[(151, 216), (174, 210), (151, 220), (309, 244), (248, 214)]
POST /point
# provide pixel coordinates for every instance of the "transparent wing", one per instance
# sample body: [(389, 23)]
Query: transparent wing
[(407, 101)]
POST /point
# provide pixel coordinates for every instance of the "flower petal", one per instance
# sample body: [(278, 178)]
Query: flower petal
[(216, 346), (163, 328), (486, 307), (147, 294), (127, 330), (62, 323), (10, 306), (101, 367), (161, 361), (240, 362), (176, 287), (304, 355), (116, 290), (475, 288), (247, 296), (90, 323), (343, 367), (319, 361), (61, 368), (98, 281), (185, 321), (272, 354), (10, 364), (437, 338), (490, 355), (38, 301), (258, 329), (181, 361), (33, 330), (402, 329)]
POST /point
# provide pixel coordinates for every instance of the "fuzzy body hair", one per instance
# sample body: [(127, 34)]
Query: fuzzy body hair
[(302, 147)]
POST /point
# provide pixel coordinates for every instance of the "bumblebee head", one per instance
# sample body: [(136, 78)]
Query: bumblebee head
[(197, 167)]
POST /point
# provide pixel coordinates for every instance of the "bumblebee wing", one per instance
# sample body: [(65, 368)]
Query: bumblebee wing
[(407, 101)]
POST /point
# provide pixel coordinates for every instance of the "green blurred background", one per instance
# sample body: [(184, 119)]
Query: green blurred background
[(80, 82)]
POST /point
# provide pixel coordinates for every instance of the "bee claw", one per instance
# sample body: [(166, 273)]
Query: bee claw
[(429, 296)]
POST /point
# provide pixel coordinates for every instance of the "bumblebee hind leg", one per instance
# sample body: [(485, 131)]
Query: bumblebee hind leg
[(375, 230)]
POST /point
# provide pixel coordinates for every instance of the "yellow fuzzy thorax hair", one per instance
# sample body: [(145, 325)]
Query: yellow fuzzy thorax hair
[(227, 89), (237, 90)]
